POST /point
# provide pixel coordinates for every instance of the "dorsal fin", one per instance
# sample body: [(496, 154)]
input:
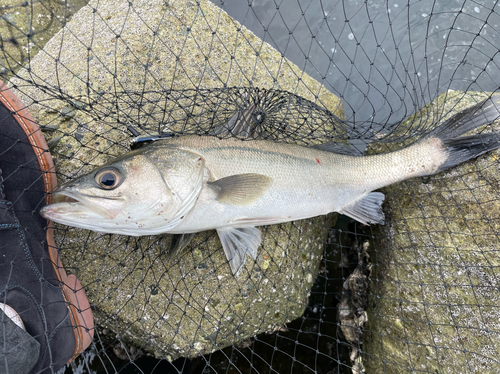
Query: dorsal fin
[(339, 148)]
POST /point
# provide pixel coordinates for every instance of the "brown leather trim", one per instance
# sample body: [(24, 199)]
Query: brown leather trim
[(34, 135), (77, 302)]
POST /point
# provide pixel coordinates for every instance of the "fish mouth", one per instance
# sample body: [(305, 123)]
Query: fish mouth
[(61, 197), (71, 207)]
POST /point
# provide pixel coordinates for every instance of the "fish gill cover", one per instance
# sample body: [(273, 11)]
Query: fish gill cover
[(324, 295)]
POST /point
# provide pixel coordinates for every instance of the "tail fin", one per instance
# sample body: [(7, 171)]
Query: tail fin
[(460, 149)]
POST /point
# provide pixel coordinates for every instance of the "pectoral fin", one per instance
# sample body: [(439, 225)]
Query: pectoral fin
[(237, 243), (241, 189), (367, 210)]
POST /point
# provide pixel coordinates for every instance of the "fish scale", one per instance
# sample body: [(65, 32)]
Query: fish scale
[(187, 184)]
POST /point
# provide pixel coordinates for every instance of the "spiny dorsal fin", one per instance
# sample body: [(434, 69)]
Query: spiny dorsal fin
[(367, 210), (339, 148), (241, 189)]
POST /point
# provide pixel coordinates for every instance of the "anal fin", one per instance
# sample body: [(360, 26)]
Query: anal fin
[(366, 210), (237, 243)]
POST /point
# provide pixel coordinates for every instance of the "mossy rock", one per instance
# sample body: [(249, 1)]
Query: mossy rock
[(193, 304), (135, 53), (26, 27), (434, 301)]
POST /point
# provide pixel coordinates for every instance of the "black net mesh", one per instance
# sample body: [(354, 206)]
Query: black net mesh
[(419, 294)]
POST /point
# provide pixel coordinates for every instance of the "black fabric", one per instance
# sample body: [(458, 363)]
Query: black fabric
[(27, 278), (19, 351), (23, 186)]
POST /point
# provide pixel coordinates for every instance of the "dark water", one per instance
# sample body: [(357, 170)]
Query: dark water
[(385, 59)]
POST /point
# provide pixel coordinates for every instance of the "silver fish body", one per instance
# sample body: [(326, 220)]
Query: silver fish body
[(304, 182), (194, 183)]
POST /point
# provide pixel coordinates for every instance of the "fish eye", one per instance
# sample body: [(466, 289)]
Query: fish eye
[(108, 178)]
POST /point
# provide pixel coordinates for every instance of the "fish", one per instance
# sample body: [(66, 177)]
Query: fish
[(192, 183)]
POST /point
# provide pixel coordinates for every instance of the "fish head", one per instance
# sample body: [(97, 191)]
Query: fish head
[(141, 193)]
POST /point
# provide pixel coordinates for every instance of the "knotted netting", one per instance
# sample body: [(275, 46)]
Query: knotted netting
[(326, 294)]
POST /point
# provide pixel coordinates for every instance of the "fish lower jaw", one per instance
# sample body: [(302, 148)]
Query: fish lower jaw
[(63, 212), (77, 215)]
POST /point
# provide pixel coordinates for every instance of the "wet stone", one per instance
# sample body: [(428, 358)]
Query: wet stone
[(435, 291)]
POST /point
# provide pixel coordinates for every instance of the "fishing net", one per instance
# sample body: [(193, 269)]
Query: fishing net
[(325, 295)]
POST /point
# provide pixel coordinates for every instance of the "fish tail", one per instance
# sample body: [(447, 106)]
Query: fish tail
[(459, 148)]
